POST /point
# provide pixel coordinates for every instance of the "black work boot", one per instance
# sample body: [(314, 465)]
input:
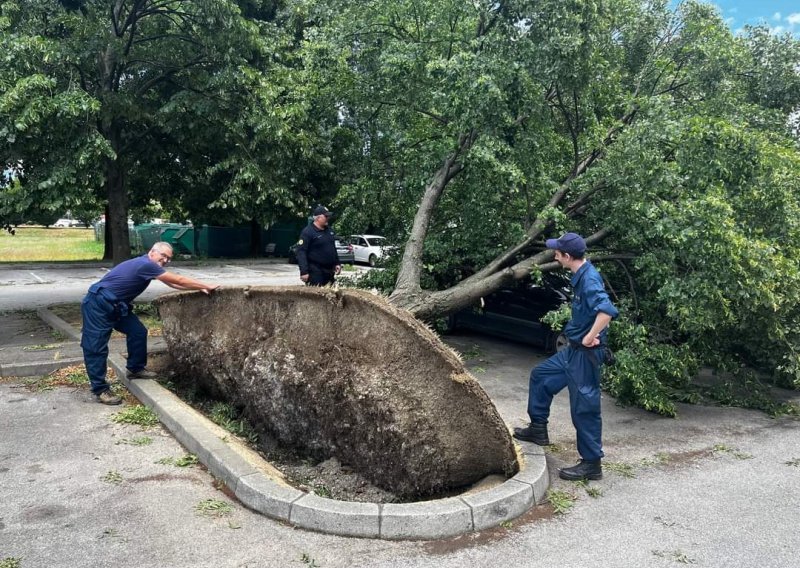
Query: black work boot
[(534, 432), (584, 470)]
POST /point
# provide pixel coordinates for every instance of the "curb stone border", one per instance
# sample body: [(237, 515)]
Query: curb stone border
[(259, 487), (58, 324)]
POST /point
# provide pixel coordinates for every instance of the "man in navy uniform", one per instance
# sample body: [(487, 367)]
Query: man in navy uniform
[(576, 367), (107, 307), (316, 251)]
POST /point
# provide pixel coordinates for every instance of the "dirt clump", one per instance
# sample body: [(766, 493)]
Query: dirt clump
[(341, 376)]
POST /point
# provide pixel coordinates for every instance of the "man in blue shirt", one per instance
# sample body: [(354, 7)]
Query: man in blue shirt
[(316, 254), (107, 307), (576, 367)]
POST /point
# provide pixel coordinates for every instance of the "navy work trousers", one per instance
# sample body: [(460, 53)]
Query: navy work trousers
[(101, 315), (579, 371), (319, 276)]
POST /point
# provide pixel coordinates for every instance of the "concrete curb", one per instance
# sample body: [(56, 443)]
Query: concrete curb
[(38, 368), (58, 324), (260, 487)]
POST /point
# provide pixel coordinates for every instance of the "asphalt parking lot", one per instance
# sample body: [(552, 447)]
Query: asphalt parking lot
[(713, 487)]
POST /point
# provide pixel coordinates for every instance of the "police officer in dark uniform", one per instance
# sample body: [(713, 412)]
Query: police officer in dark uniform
[(316, 253)]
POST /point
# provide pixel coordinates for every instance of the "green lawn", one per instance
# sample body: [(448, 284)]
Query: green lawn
[(47, 244)]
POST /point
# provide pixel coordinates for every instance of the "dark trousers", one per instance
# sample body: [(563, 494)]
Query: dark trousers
[(579, 371), (319, 276), (101, 315)]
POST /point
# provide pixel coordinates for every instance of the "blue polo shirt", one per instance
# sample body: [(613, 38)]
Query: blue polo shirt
[(130, 278), (588, 298)]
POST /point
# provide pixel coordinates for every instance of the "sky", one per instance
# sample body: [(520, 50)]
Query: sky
[(780, 15)]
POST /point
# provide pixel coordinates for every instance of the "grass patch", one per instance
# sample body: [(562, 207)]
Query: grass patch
[(213, 508), (145, 311), (561, 501), (187, 460), (113, 477), (675, 555), (74, 376), (148, 314), (43, 347), (306, 559), (794, 463), (139, 415), (37, 244), (591, 490), (473, 352), (322, 491), (58, 335), (221, 413), (620, 468), (723, 449), (138, 441), (38, 384), (660, 458), (225, 415), (11, 562), (554, 449)]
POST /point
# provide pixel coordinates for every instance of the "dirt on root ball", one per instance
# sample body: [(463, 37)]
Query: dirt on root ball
[(343, 374)]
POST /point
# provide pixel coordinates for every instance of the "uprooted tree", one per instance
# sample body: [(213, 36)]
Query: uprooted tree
[(482, 127), (661, 136), (380, 397)]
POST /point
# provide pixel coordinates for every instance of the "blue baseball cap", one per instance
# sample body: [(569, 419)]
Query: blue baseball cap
[(570, 243)]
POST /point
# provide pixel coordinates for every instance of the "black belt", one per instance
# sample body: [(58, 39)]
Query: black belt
[(610, 358), (582, 347)]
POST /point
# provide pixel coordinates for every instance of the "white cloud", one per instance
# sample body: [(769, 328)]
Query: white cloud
[(777, 16), (793, 19), (777, 30)]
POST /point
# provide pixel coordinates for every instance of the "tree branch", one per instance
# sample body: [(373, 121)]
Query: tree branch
[(408, 281)]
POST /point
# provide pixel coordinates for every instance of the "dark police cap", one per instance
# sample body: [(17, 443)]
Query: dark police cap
[(320, 210)]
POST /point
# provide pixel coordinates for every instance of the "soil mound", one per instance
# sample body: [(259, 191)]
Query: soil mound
[(342, 373)]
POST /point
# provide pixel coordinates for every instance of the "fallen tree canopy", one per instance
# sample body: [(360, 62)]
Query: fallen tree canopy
[(342, 373)]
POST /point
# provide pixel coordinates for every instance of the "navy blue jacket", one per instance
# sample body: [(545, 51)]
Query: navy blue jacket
[(317, 248), (588, 297)]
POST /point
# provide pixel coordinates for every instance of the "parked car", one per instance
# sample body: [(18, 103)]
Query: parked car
[(67, 223), (369, 248), (343, 249), (514, 313)]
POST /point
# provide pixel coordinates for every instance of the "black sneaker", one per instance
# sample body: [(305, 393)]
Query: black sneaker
[(584, 470), (536, 433)]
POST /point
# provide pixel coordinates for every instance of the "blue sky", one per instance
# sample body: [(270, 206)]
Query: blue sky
[(780, 15)]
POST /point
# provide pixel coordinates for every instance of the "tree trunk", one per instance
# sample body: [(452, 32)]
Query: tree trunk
[(408, 280), (108, 242), (256, 248), (427, 305), (117, 217)]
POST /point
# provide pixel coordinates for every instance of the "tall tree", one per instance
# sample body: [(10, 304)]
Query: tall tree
[(660, 135), (120, 98)]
